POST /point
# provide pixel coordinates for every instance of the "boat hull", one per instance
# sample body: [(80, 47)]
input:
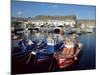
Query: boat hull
[(62, 62), (67, 60)]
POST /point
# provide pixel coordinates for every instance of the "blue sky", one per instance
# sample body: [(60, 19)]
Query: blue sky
[(30, 9)]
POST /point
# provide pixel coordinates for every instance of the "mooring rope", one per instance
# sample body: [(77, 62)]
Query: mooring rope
[(28, 59)]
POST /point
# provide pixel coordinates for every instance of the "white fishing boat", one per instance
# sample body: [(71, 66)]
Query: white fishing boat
[(89, 30)]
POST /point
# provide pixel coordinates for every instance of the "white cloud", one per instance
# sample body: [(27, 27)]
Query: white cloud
[(54, 6), (19, 13)]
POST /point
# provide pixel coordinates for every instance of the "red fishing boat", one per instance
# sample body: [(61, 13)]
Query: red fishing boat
[(69, 54)]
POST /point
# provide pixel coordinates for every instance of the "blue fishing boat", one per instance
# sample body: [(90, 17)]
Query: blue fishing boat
[(47, 50), (41, 49)]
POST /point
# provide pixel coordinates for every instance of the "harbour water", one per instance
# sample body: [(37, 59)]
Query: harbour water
[(87, 59)]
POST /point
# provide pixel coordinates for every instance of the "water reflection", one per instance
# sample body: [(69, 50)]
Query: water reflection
[(87, 59)]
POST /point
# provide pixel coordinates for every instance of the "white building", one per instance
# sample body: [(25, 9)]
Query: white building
[(54, 20)]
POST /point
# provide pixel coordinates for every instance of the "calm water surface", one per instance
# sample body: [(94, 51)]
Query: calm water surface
[(87, 58)]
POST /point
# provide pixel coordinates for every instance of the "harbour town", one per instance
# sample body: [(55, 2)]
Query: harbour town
[(70, 22), (45, 38)]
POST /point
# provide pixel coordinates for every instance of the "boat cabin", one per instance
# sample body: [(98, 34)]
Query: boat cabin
[(58, 30), (69, 46), (37, 29)]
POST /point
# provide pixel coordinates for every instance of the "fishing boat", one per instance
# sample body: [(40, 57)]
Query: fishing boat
[(69, 54), (15, 37), (58, 30), (37, 29), (70, 32), (37, 46), (78, 32), (89, 30), (49, 48), (20, 47)]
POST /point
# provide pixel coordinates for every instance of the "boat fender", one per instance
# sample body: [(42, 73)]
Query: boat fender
[(30, 42), (75, 58), (33, 53)]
